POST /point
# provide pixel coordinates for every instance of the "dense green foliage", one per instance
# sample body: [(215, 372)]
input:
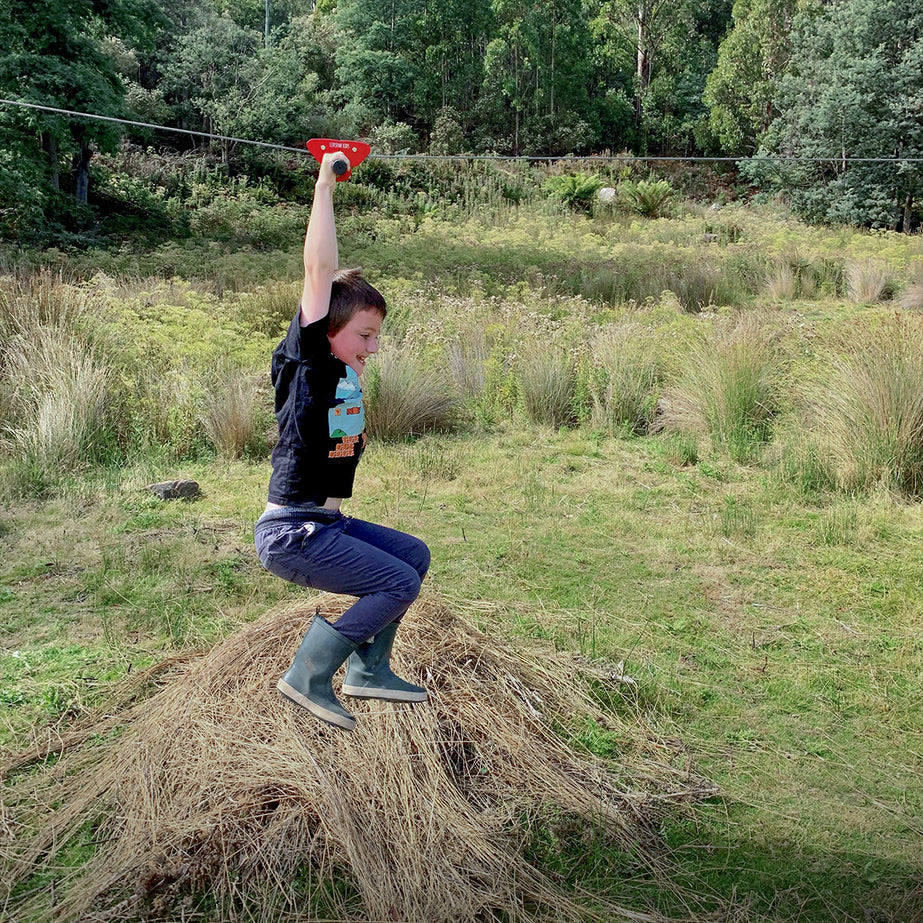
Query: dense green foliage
[(854, 88), (742, 90), (538, 78)]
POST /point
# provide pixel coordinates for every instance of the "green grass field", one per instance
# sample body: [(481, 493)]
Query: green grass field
[(770, 617)]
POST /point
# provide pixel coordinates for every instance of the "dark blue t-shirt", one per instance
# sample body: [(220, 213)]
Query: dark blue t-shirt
[(321, 419)]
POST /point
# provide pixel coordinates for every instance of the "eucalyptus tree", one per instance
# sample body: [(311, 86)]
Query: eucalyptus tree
[(661, 51), (457, 34), (643, 26), (381, 61), (535, 98), (742, 91), (221, 78), (674, 114)]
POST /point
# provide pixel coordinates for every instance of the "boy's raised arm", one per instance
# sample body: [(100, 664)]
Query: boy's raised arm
[(320, 246)]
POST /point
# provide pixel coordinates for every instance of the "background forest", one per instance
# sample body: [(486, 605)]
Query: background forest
[(841, 82)]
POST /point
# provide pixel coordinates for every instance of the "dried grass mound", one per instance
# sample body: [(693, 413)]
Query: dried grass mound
[(212, 785)]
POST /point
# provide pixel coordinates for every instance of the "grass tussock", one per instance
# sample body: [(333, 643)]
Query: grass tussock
[(231, 410), (782, 282), (624, 379), (868, 281), (547, 377), (215, 785), (727, 388), (467, 357), (55, 394), (911, 296), (870, 412), (42, 300), (406, 395)]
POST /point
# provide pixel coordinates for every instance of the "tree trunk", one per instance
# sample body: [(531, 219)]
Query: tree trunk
[(643, 61), (82, 170), (50, 147), (516, 101), (908, 212)]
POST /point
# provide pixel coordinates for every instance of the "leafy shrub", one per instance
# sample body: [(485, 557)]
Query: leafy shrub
[(270, 308), (246, 223), (727, 389), (394, 138), (448, 135), (406, 395), (650, 198), (129, 207)]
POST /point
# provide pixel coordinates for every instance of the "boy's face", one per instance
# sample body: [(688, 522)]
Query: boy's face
[(358, 339)]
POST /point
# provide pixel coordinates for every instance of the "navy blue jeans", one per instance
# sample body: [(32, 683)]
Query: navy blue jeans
[(339, 554)]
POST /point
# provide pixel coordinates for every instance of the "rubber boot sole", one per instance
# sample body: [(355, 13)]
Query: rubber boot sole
[(389, 695), (325, 714)]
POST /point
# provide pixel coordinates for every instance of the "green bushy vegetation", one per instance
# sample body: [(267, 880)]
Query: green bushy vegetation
[(687, 448)]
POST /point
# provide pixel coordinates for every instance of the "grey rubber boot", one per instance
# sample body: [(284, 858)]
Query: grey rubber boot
[(307, 681), (369, 675)]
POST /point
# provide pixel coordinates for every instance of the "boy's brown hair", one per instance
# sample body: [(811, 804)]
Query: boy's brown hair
[(351, 293)]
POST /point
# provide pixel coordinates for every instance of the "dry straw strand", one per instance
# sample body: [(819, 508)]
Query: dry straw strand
[(215, 785)]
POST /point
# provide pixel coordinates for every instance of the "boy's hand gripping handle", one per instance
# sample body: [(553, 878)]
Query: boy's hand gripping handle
[(354, 151)]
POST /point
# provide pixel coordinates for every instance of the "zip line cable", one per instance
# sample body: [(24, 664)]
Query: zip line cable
[(182, 131), (469, 157)]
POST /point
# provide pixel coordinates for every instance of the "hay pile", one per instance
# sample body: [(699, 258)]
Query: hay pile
[(212, 784)]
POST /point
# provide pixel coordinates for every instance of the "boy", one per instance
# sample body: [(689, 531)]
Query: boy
[(302, 536)]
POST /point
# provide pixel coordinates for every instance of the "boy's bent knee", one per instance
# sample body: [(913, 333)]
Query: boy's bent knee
[(405, 590), (423, 559)]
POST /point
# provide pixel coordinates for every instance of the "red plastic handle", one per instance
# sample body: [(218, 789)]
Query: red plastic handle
[(354, 151)]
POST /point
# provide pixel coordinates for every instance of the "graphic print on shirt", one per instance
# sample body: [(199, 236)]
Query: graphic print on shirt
[(347, 416)]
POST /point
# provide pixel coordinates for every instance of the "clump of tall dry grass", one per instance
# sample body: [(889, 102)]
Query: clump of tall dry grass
[(231, 409), (547, 375), (911, 297), (727, 388), (869, 409), (41, 300), (868, 281), (407, 394), (781, 281), (623, 378), (467, 356), (54, 383), (215, 787)]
